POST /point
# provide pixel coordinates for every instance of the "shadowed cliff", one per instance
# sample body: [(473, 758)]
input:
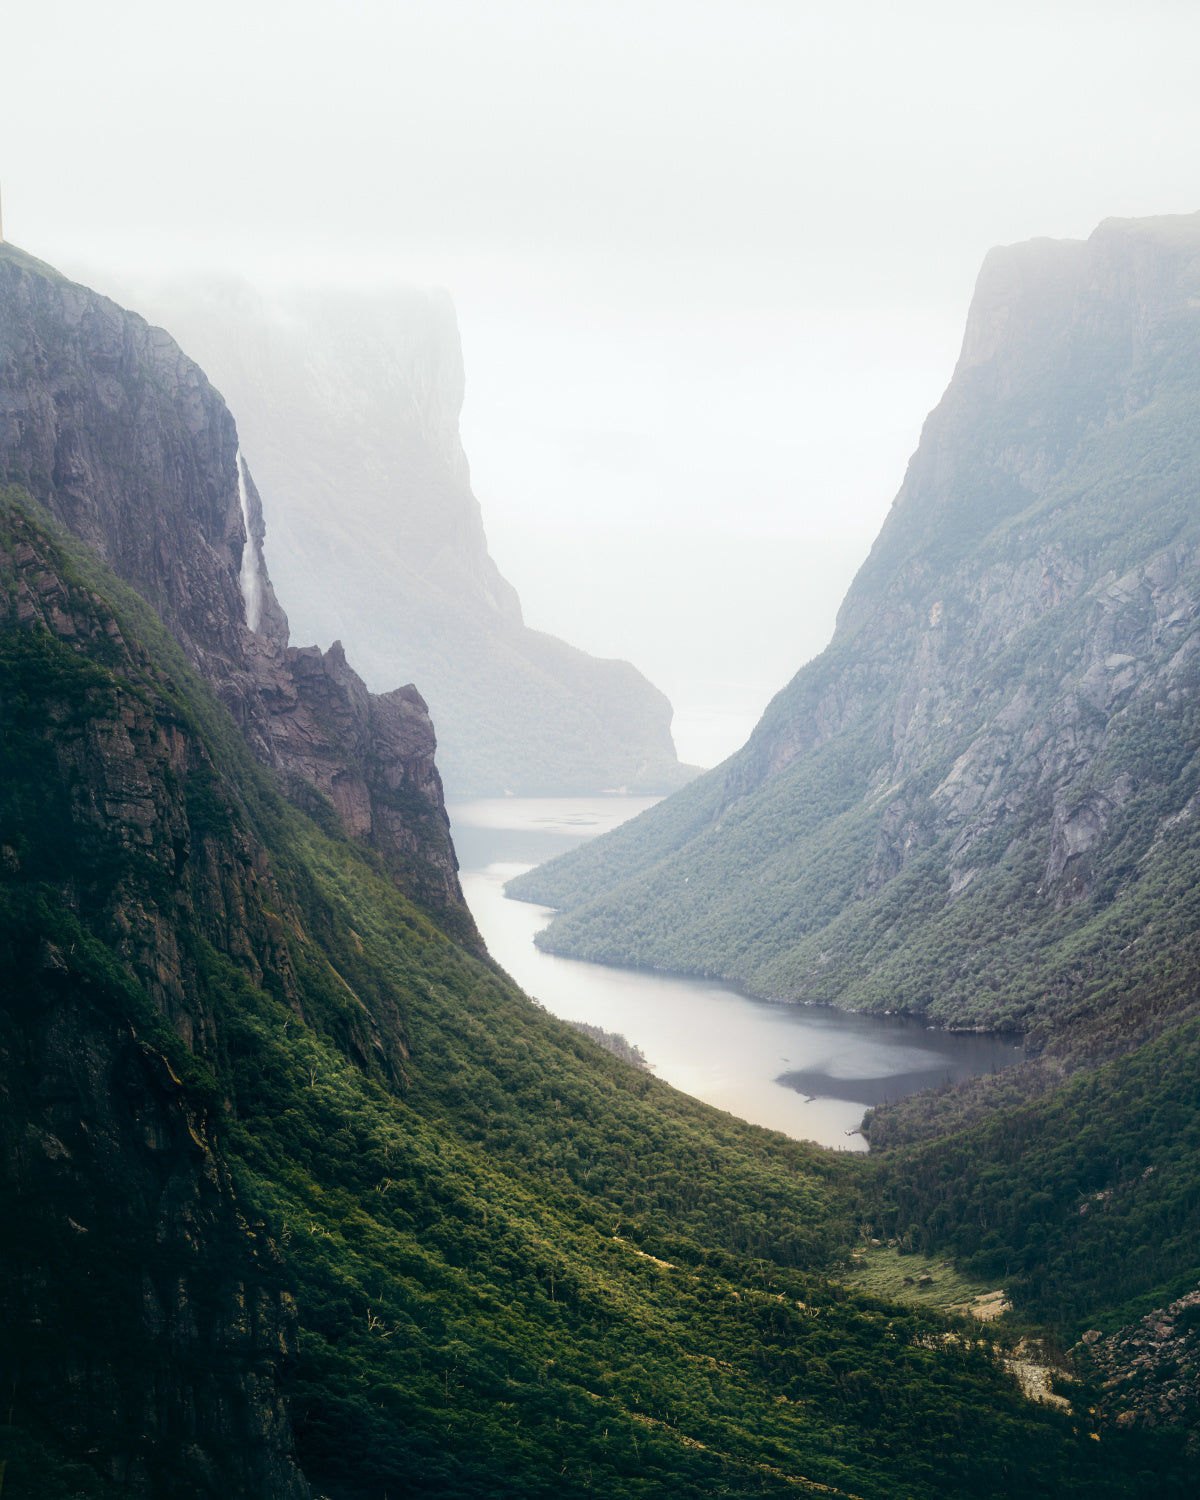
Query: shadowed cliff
[(348, 409), (122, 438)]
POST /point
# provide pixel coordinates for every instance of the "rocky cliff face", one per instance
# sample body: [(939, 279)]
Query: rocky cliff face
[(996, 749), (138, 1360), (145, 1319), (124, 441), (348, 406)]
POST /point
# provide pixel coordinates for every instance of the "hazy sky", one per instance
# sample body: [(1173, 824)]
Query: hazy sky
[(711, 260)]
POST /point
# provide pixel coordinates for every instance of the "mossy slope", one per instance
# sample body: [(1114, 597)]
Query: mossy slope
[(518, 1266)]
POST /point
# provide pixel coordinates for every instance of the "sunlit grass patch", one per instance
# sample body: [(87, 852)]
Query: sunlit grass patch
[(884, 1272)]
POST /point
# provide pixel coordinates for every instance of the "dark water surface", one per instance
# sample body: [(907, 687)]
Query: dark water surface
[(809, 1071)]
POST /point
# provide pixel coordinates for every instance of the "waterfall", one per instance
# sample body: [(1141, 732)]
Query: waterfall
[(249, 578)]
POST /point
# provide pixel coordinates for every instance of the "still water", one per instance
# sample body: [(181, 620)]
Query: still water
[(808, 1071)]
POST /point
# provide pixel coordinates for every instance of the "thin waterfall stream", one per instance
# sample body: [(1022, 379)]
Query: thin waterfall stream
[(249, 577)]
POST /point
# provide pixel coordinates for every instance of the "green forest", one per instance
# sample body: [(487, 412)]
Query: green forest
[(519, 1265)]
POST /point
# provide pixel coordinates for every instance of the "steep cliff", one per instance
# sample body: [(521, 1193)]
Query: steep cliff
[(978, 803), (146, 1318), (348, 406), (126, 444)]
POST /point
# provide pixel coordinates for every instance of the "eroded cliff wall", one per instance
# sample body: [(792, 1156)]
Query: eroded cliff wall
[(125, 442), (146, 1319), (991, 771), (348, 406)]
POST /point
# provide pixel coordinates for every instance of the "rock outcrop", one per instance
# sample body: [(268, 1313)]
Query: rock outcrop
[(146, 1319), (997, 746), (1149, 1371), (123, 440)]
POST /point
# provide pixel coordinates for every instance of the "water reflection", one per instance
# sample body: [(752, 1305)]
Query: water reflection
[(805, 1070)]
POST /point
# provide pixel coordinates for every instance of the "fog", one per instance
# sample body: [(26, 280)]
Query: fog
[(711, 260)]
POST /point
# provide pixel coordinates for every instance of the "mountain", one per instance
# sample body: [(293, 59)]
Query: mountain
[(978, 804), (347, 406), (298, 1193), (101, 417)]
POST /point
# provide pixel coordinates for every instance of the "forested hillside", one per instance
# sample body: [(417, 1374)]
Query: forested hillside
[(483, 1255), (978, 805)]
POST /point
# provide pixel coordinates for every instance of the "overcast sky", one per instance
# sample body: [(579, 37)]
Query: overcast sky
[(711, 259)]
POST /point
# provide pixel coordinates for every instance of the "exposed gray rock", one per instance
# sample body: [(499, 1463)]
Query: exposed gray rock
[(994, 745), (125, 443)]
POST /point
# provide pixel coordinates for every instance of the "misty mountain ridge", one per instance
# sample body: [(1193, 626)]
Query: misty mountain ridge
[(991, 770), (347, 406)]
